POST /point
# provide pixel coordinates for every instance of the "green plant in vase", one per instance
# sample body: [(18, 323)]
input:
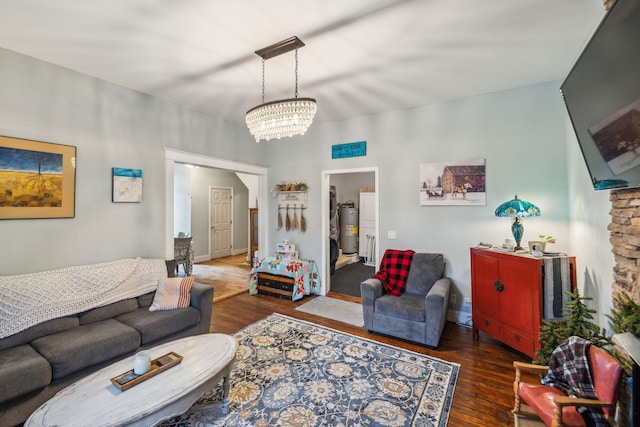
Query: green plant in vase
[(544, 239)]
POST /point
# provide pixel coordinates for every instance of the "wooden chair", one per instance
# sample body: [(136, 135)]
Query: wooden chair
[(183, 254), (554, 407)]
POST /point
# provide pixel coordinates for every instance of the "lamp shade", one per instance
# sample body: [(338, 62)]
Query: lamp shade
[(517, 208)]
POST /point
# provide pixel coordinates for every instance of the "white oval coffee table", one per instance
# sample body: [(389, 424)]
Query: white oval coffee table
[(94, 401)]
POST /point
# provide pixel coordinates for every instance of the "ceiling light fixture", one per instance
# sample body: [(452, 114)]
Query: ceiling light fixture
[(285, 117)]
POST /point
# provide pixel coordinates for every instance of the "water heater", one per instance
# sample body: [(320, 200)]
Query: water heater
[(349, 230)]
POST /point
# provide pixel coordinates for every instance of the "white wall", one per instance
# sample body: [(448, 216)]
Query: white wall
[(182, 199), (110, 126), (348, 185), (589, 233), (251, 182), (520, 133)]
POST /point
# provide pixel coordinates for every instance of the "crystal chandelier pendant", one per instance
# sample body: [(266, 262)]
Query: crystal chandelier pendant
[(282, 118), (285, 117)]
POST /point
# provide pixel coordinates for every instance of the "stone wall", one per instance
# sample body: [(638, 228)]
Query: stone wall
[(625, 245), (625, 241)]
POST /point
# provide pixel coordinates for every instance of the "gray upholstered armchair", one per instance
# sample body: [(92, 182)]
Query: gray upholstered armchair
[(419, 314)]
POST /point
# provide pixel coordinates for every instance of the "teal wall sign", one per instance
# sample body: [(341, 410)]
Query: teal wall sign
[(351, 149)]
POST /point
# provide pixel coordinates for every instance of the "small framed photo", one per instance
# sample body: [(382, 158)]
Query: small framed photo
[(127, 185)]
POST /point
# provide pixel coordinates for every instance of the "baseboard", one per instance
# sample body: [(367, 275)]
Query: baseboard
[(201, 258), (460, 317), (204, 258)]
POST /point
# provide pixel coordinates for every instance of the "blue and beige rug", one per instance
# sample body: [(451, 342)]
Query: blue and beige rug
[(289, 372)]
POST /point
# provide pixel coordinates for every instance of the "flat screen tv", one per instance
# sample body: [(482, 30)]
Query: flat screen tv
[(602, 96)]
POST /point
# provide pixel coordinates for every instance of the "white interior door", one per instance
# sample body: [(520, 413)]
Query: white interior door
[(221, 225)]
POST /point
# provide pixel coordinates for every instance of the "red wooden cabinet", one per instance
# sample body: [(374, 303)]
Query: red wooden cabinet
[(507, 297)]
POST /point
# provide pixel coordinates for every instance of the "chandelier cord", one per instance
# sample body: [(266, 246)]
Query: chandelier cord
[(296, 93), (263, 61)]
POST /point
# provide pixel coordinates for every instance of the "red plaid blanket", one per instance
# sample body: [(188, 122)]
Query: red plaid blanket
[(394, 270)]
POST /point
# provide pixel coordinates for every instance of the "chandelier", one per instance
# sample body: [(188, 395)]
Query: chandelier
[(285, 117)]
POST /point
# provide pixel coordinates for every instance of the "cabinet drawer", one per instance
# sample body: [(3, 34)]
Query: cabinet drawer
[(486, 324), (518, 340)]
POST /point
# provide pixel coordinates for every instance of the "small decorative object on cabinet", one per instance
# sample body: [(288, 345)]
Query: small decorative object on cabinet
[(512, 294)]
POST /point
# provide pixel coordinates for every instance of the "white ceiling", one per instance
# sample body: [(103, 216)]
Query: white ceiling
[(361, 56)]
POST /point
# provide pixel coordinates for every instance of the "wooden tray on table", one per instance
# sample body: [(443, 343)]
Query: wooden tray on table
[(128, 379)]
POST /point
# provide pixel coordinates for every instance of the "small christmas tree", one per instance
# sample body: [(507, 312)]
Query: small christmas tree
[(577, 321)]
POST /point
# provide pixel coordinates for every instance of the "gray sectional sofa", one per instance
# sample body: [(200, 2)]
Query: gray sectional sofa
[(38, 362)]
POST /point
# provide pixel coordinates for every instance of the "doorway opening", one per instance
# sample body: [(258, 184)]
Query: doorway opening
[(174, 157), (353, 245)]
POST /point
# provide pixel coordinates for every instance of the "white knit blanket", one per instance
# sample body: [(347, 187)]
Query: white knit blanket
[(29, 299)]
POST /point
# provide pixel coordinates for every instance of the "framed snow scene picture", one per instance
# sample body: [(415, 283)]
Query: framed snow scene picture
[(455, 182)]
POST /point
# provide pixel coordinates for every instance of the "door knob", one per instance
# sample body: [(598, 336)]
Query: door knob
[(498, 285)]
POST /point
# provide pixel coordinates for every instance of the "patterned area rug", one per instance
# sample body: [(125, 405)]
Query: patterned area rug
[(289, 372)]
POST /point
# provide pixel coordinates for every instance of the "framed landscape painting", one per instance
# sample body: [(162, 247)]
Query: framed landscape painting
[(37, 179)]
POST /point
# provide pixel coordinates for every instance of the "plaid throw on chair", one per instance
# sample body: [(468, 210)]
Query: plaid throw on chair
[(569, 372), (394, 270)]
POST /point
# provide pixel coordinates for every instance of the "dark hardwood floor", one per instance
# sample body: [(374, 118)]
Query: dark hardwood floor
[(484, 391)]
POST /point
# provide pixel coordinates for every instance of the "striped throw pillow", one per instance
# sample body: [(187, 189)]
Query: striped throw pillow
[(172, 292)]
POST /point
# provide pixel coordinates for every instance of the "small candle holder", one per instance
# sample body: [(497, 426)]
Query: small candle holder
[(142, 362)]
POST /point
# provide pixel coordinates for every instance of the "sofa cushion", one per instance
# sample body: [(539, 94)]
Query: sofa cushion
[(45, 328), (154, 325), (146, 299), (108, 311), (425, 270), (172, 293), (86, 345), (22, 370), (405, 306)]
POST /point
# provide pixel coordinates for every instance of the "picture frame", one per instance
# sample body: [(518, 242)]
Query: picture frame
[(453, 182), (126, 185), (37, 179)]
